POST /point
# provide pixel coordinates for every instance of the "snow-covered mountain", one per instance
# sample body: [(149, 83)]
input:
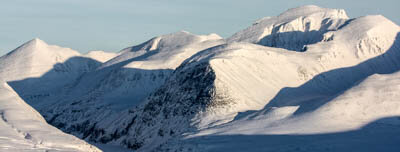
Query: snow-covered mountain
[(38, 71), (311, 77), (98, 96), (213, 86)]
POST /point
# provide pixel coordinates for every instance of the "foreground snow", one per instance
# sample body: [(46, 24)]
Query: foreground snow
[(367, 114), (374, 137), (24, 129)]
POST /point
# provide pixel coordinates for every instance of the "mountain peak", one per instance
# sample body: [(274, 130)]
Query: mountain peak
[(36, 42), (177, 35), (312, 9), (183, 31), (306, 24), (40, 47), (305, 8), (29, 46), (36, 39)]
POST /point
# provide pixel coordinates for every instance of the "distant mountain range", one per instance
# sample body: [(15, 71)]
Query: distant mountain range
[(310, 79)]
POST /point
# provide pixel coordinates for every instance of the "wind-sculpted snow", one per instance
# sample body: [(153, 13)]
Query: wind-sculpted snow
[(183, 92), (24, 129), (294, 29)]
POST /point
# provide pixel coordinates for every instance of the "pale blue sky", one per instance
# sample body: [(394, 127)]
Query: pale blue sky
[(111, 25)]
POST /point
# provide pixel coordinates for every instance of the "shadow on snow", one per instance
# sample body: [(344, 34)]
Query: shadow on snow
[(326, 86), (378, 136)]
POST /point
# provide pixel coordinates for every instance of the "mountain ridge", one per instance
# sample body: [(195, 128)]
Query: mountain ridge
[(290, 75)]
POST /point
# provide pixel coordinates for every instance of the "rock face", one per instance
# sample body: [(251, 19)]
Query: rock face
[(305, 71)]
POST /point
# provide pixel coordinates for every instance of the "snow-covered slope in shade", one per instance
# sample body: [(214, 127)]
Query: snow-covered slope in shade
[(210, 88), (37, 70), (100, 56), (24, 129), (98, 97), (293, 29)]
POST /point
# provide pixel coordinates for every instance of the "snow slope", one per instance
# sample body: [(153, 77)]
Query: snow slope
[(24, 129)]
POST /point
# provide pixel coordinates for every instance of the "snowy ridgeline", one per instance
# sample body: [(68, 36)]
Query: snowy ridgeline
[(310, 79)]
